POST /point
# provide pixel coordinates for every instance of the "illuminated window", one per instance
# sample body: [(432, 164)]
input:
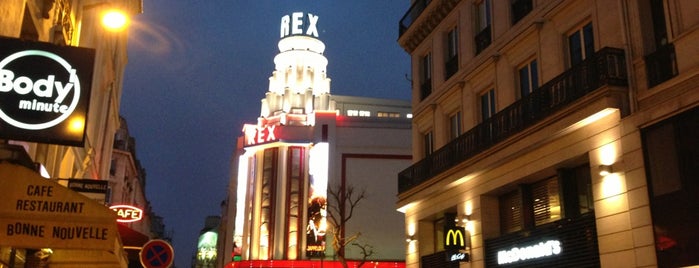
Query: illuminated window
[(295, 189), (364, 113), (267, 190), (352, 113), (388, 114), (544, 201), (581, 44)]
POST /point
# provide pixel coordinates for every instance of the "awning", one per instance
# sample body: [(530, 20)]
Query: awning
[(39, 213)]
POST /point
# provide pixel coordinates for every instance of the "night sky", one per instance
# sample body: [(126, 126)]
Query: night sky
[(198, 69)]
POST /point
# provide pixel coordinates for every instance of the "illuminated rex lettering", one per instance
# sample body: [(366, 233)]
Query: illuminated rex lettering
[(297, 25)]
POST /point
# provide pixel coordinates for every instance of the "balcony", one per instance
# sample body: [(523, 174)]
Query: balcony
[(425, 89), (415, 10), (520, 8), (661, 65), (606, 67)]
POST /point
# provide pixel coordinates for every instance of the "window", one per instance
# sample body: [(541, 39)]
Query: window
[(425, 76), (671, 151), (364, 113), (581, 44), (546, 204), (483, 20), (454, 125), (528, 79), (520, 8), (388, 114), (511, 212), (452, 54), (294, 210), (428, 143), (567, 194), (487, 104), (352, 113)]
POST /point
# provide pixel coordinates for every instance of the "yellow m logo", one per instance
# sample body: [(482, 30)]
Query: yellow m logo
[(455, 238)]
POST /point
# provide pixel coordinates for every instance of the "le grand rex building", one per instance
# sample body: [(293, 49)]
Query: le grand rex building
[(552, 133), (305, 143)]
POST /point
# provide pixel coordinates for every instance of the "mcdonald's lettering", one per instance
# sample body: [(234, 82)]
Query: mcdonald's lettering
[(455, 238)]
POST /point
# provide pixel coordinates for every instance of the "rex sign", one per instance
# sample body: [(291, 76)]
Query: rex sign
[(44, 91)]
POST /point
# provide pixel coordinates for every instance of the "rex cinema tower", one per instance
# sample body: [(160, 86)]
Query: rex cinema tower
[(298, 149)]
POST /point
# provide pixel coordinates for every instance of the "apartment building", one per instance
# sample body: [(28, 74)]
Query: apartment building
[(552, 133)]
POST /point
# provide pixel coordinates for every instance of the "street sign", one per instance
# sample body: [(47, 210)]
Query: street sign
[(157, 254)]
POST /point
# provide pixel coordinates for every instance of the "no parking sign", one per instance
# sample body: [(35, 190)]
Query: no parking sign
[(157, 254)]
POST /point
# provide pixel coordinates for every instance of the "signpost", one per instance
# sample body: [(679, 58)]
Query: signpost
[(157, 254)]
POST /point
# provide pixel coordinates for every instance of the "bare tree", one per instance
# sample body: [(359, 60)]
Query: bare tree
[(343, 201)]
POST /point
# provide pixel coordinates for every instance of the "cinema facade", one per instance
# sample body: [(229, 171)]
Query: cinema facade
[(552, 134), (305, 143)]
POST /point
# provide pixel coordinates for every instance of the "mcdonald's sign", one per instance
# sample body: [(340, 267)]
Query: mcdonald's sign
[(455, 238)]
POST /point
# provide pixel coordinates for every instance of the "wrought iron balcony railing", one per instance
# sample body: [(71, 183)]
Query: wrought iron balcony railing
[(606, 67), (661, 65), (451, 66), (483, 39)]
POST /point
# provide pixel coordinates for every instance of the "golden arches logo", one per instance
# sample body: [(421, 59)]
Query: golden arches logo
[(455, 238)]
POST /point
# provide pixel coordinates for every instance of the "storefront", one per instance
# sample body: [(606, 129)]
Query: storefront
[(45, 223)]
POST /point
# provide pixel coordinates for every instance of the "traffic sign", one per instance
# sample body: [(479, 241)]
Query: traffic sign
[(157, 253)]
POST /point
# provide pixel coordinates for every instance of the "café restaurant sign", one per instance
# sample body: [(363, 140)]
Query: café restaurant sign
[(39, 213), (44, 91)]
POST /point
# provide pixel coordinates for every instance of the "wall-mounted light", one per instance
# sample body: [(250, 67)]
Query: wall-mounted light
[(410, 238), (605, 170)]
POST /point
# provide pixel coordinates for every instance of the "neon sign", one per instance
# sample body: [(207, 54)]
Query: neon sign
[(455, 238), (295, 25), (260, 135), (536, 251), (126, 213)]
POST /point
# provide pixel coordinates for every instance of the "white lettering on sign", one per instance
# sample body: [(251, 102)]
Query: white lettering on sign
[(543, 249), (126, 213), (458, 257), (261, 135), (38, 95), (296, 25)]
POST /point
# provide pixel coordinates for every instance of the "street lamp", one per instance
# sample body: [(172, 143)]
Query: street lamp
[(114, 20)]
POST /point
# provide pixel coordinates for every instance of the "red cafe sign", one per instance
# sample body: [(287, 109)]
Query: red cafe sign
[(126, 213)]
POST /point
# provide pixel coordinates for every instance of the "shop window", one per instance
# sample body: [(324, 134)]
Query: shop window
[(546, 204), (671, 151), (568, 194), (511, 212), (581, 44)]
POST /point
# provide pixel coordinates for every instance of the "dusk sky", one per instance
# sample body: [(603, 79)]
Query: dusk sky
[(198, 69)]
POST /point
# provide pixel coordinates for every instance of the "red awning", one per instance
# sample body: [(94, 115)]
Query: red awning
[(131, 238)]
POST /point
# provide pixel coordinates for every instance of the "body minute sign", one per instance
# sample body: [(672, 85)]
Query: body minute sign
[(44, 91)]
